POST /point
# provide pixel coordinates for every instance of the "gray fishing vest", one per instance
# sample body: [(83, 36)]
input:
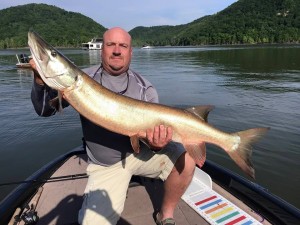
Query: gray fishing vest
[(103, 146)]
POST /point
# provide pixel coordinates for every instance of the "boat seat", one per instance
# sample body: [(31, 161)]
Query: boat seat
[(213, 207)]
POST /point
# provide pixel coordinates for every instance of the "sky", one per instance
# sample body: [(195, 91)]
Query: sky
[(132, 13)]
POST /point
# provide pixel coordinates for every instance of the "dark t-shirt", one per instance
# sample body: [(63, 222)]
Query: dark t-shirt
[(103, 147)]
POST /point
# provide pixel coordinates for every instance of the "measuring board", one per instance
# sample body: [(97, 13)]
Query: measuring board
[(213, 207)]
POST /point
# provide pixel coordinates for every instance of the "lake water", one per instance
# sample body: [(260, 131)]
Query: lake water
[(249, 87)]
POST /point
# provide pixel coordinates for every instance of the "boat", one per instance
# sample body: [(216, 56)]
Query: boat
[(147, 47), (94, 44), (23, 61), (54, 194)]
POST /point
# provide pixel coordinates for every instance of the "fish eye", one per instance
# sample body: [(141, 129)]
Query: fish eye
[(53, 53)]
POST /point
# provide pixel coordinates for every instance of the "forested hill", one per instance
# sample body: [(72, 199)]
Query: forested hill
[(57, 26), (244, 22)]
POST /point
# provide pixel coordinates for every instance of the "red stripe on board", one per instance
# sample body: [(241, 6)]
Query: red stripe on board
[(205, 200), (215, 208), (236, 220)]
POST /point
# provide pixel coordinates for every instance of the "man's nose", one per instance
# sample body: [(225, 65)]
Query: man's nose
[(117, 50), (116, 53)]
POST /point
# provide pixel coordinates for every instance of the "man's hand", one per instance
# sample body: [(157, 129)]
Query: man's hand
[(159, 137), (36, 74)]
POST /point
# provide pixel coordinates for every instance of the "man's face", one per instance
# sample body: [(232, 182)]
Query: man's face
[(116, 51)]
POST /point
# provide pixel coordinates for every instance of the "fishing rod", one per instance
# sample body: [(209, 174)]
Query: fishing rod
[(48, 180)]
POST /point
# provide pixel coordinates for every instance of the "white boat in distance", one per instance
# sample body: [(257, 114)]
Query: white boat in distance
[(147, 47), (94, 44)]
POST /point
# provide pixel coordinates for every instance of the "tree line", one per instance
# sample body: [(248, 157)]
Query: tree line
[(57, 26), (244, 22)]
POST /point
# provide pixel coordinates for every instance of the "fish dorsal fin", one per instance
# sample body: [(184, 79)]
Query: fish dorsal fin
[(197, 152), (201, 111)]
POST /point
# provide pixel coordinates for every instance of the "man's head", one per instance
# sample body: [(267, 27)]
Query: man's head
[(116, 51)]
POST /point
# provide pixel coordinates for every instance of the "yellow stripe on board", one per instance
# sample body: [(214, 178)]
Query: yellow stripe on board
[(215, 215)]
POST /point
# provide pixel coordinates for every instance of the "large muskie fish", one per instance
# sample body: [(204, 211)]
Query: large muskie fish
[(132, 117)]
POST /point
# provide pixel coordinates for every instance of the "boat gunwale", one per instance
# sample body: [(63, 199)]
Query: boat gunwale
[(272, 208), (225, 178), (25, 191)]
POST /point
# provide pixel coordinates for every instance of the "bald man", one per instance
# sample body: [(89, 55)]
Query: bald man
[(112, 161)]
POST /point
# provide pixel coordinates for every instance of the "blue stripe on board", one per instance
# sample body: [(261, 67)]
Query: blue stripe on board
[(247, 223), (210, 204)]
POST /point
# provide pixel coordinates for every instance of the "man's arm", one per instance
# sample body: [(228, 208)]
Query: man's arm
[(41, 95)]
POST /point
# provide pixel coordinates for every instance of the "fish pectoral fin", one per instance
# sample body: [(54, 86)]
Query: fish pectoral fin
[(201, 111), (54, 102), (57, 102), (197, 152), (135, 143)]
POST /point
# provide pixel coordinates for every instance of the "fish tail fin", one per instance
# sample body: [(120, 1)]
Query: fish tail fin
[(241, 151)]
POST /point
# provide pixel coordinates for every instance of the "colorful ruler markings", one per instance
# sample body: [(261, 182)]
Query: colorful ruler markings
[(214, 208)]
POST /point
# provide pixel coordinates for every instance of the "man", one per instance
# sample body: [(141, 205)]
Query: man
[(112, 161)]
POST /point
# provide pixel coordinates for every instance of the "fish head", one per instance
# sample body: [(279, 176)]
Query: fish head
[(56, 70)]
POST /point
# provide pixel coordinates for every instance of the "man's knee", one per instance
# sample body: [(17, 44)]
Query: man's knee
[(184, 165)]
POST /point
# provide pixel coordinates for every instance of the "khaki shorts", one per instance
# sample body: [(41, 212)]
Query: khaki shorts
[(106, 189)]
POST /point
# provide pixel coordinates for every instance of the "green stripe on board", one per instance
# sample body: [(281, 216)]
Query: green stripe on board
[(227, 217)]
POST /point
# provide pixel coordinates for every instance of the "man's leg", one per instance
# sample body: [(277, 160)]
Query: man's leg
[(174, 166), (177, 174), (105, 194), (176, 184)]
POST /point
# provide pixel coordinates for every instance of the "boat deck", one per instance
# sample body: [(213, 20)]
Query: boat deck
[(60, 201)]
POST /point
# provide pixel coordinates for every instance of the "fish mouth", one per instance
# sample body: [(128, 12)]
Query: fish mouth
[(50, 63), (38, 47)]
